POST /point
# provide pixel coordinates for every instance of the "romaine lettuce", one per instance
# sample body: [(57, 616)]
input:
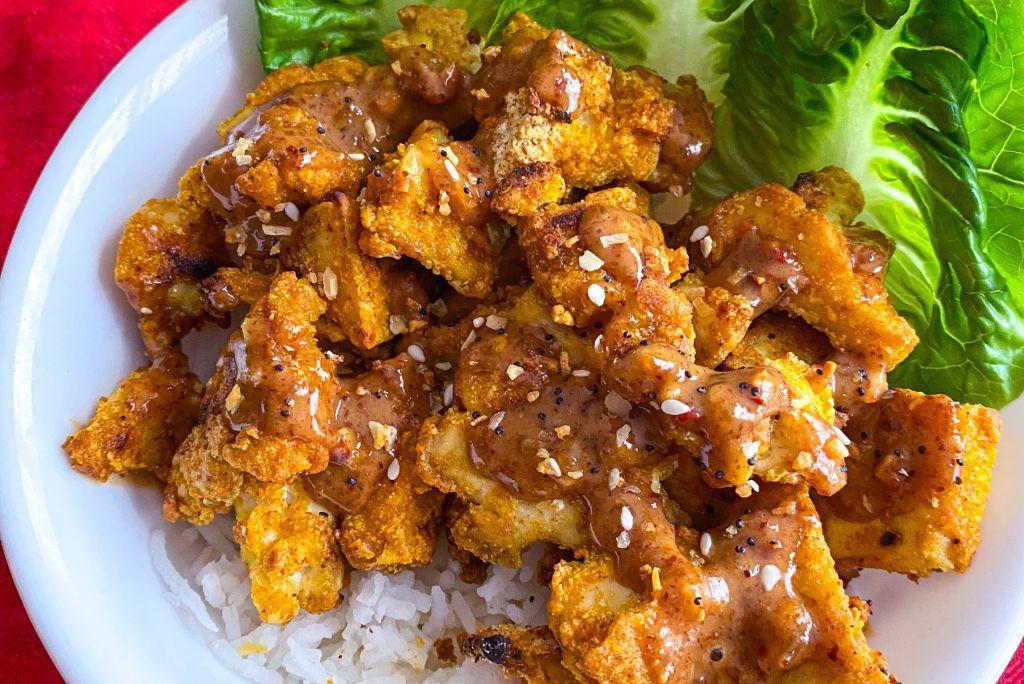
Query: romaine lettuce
[(916, 98)]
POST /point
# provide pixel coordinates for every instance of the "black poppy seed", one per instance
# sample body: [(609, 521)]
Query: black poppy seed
[(549, 337), (755, 391), (517, 363), (302, 149), (351, 481), (819, 371), (920, 448), (899, 453), (372, 157), (649, 447), (378, 173), (476, 152), (496, 647), (285, 413), (751, 541), (607, 279), (739, 523), (378, 395), (863, 435), (958, 480), (476, 414), (717, 654), (595, 469), (702, 390), (487, 192), (444, 153), (696, 600), (771, 336), (960, 461), (278, 367), (751, 461), (701, 465), (741, 549), (559, 400), (844, 468), (542, 415), (558, 390), (888, 538), (719, 474), (861, 391), (479, 180), (321, 130), (627, 334), (783, 286), (688, 374), (744, 385), (652, 396), (840, 408), (348, 100), (644, 343), (499, 430), (599, 325)]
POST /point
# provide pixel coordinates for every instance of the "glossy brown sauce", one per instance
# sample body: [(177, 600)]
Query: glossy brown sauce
[(625, 261), (396, 393), (856, 380), (765, 272)]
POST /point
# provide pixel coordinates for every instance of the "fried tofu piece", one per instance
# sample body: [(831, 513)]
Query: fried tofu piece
[(530, 653), (494, 526), (139, 425), (556, 115), (820, 281), (919, 475), (431, 201), (442, 31), (282, 399), (288, 544), (165, 250), (388, 516), (774, 613), (354, 286), (720, 319)]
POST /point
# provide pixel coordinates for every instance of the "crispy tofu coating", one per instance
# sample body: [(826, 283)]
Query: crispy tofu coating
[(287, 541), (767, 244), (493, 524), (720, 319), (139, 425), (557, 115), (442, 31), (353, 285), (430, 201), (530, 653), (388, 516), (230, 287), (773, 336), (774, 613), (165, 250), (920, 471)]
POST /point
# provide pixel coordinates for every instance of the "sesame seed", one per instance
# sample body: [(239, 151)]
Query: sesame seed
[(580, 373), (674, 407), (622, 541), (513, 371), (705, 544), (416, 352), (450, 168), (496, 420), (596, 294), (622, 435), (549, 466), (291, 211), (770, 576), (393, 469), (626, 518), (613, 479), (698, 233), (330, 284), (449, 394), (145, 310), (533, 396), (495, 322), (443, 366), (590, 262), (371, 130), (706, 245)]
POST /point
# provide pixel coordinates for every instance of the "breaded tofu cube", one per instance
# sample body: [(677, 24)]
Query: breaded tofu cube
[(281, 405), (140, 425), (442, 31), (494, 525), (430, 201), (774, 335), (557, 115), (230, 287), (288, 543), (165, 250), (775, 612), (354, 286), (388, 518), (529, 653), (720, 319), (846, 303), (919, 475)]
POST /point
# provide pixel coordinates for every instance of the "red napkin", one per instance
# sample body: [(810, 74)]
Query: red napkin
[(54, 56)]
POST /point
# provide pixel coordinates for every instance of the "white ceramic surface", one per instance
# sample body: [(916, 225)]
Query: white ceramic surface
[(79, 550)]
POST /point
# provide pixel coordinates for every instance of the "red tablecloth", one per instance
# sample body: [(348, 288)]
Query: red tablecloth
[(54, 55)]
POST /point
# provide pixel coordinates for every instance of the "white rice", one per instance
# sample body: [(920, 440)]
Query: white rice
[(382, 632)]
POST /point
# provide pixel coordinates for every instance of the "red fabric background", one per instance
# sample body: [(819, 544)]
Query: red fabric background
[(54, 56)]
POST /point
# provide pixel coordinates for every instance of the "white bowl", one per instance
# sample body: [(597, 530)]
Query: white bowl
[(79, 550)]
